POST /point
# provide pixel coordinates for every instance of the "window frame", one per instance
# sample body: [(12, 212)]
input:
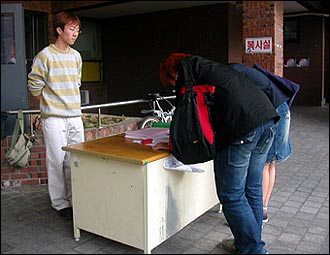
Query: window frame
[(291, 30)]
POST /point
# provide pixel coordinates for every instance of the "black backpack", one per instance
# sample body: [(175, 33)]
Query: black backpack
[(191, 131)]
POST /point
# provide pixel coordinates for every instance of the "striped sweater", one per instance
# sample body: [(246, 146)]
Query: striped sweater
[(56, 76)]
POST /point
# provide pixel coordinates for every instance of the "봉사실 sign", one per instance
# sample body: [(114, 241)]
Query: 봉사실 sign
[(258, 45)]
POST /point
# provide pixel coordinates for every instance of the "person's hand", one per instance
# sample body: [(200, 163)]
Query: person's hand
[(161, 146)]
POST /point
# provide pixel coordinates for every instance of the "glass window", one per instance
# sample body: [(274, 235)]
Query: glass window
[(89, 41), (8, 50), (35, 34), (89, 46), (291, 31)]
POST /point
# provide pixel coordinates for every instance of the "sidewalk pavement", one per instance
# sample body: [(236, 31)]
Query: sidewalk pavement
[(298, 209)]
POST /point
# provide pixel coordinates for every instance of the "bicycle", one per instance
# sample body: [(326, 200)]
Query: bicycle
[(157, 113)]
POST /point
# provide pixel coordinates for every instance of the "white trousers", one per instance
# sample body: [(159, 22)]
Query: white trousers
[(59, 132)]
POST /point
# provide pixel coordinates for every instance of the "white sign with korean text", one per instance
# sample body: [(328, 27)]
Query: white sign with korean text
[(258, 45)]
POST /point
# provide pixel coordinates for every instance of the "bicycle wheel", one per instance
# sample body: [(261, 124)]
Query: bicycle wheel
[(147, 122)]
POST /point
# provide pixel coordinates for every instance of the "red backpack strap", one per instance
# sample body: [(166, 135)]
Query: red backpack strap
[(200, 88)]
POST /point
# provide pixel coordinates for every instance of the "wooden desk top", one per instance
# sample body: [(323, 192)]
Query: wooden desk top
[(119, 148)]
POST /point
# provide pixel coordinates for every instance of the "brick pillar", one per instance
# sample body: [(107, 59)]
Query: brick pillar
[(264, 19)]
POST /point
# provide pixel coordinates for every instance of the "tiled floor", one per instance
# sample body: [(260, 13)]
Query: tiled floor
[(298, 210)]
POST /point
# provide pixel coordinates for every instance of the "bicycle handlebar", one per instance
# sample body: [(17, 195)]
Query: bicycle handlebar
[(148, 111), (157, 110), (153, 96)]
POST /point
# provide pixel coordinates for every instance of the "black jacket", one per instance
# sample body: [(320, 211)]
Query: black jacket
[(240, 105), (274, 93)]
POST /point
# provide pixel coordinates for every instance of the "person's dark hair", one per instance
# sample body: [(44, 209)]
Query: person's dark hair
[(169, 67), (63, 18)]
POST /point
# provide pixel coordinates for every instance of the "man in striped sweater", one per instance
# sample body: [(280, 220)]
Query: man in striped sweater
[(55, 80)]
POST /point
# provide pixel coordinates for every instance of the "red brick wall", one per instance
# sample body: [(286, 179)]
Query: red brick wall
[(35, 173), (264, 19)]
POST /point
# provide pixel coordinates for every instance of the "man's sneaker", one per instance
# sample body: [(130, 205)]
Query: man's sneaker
[(229, 245), (265, 217)]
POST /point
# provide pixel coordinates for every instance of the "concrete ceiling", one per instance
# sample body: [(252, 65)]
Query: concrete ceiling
[(139, 7)]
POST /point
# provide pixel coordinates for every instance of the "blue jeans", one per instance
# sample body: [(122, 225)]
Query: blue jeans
[(281, 147), (238, 175)]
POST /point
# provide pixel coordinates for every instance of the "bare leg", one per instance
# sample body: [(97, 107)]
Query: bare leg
[(265, 182), (268, 182)]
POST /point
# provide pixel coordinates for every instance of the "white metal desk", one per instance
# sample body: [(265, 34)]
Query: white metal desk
[(121, 191)]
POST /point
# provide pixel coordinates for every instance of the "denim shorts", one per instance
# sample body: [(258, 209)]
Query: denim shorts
[(281, 147)]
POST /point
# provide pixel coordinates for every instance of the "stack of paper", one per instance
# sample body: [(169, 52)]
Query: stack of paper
[(149, 136)]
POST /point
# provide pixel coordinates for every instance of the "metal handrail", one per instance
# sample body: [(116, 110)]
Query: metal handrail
[(89, 107)]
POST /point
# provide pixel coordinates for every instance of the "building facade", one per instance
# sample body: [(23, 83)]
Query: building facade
[(122, 52)]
